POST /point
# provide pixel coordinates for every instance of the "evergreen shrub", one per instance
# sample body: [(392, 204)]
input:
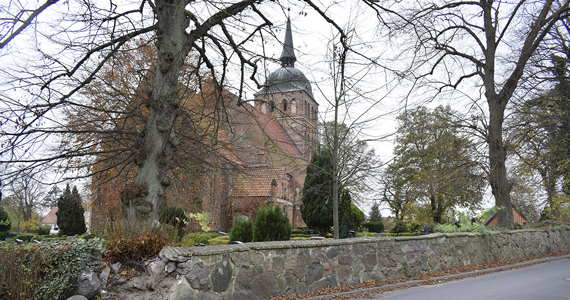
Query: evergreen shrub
[(44, 230), (242, 230), (374, 226), (70, 219), (399, 227), (271, 224), (5, 223)]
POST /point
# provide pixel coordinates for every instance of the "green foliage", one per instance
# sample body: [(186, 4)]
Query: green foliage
[(44, 230), (46, 271), (374, 226), (375, 215), (174, 216), (5, 223), (134, 248), (317, 207), (358, 216), (399, 227), (346, 217), (465, 222), (242, 230), (415, 226), (191, 239), (24, 237), (405, 234), (70, 219), (271, 224), (365, 234), (434, 166), (220, 240)]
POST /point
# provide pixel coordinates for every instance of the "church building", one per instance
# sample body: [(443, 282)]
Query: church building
[(286, 115)]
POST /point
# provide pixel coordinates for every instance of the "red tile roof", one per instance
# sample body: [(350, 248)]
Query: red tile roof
[(51, 218)]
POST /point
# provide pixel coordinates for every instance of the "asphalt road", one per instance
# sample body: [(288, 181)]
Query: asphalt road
[(544, 281)]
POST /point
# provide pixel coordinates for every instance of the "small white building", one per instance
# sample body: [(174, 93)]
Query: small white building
[(51, 219)]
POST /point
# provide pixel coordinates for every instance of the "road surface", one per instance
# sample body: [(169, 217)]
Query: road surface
[(544, 281)]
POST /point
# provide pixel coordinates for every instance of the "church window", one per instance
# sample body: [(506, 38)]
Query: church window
[(293, 107), (284, 105), (272, 105)]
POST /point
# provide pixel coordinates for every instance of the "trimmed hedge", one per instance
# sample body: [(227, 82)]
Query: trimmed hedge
[(374, 226)]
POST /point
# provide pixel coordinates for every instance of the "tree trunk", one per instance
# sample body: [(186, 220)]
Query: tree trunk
[(159, 140), (500, 186)]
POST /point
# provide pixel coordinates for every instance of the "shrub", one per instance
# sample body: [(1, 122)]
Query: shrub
[(70, 219), (5, 223), (374, 226), (46, 271), (365, 234), (192, 239), (399, 227), (24, 237), (220, 240), (415, 226), (174, 216), (134, 249), (242, 230), (271, 224), (44, 230), (405, 234)]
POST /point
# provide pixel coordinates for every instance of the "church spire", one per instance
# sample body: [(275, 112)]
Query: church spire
[(288, 55)]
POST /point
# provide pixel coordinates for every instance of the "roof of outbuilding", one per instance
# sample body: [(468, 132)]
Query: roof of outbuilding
[(51, 217)]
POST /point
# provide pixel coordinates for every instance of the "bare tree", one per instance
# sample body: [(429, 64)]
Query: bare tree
[(482, 43), (69, 49)]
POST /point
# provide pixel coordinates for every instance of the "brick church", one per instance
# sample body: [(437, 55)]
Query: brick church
[(267, 143), (274, 140)]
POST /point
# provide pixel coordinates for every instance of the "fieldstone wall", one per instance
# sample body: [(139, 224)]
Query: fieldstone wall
[(262, 270)]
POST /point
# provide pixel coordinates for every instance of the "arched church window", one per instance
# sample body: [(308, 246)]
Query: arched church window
[(293, 106), (272, 104), (284, 105)]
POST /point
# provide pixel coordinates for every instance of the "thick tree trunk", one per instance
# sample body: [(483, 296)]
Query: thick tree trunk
[(159, 140), (500, 186)]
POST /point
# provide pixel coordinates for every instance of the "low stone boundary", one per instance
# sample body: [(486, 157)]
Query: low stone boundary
[(263, 270)]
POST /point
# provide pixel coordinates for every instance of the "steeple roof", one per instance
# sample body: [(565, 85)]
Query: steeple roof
[(288, 55)]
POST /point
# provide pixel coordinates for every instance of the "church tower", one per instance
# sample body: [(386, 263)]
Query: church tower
[(287, 96)]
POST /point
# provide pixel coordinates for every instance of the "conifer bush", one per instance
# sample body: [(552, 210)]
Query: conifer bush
[(374, 226), (70, 219), (242, 230), (271, 224), (5, 223), (399, 227)]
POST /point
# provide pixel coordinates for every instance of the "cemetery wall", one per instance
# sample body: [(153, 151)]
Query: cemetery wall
[(263, 270)]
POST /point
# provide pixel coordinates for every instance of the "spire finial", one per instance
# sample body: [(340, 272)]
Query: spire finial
[(288, 55)]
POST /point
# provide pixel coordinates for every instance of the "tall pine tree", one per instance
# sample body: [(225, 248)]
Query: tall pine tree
[(70, 219), (316, 207), (375, 215)]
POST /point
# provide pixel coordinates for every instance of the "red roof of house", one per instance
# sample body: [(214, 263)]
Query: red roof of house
[(51, 217)]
